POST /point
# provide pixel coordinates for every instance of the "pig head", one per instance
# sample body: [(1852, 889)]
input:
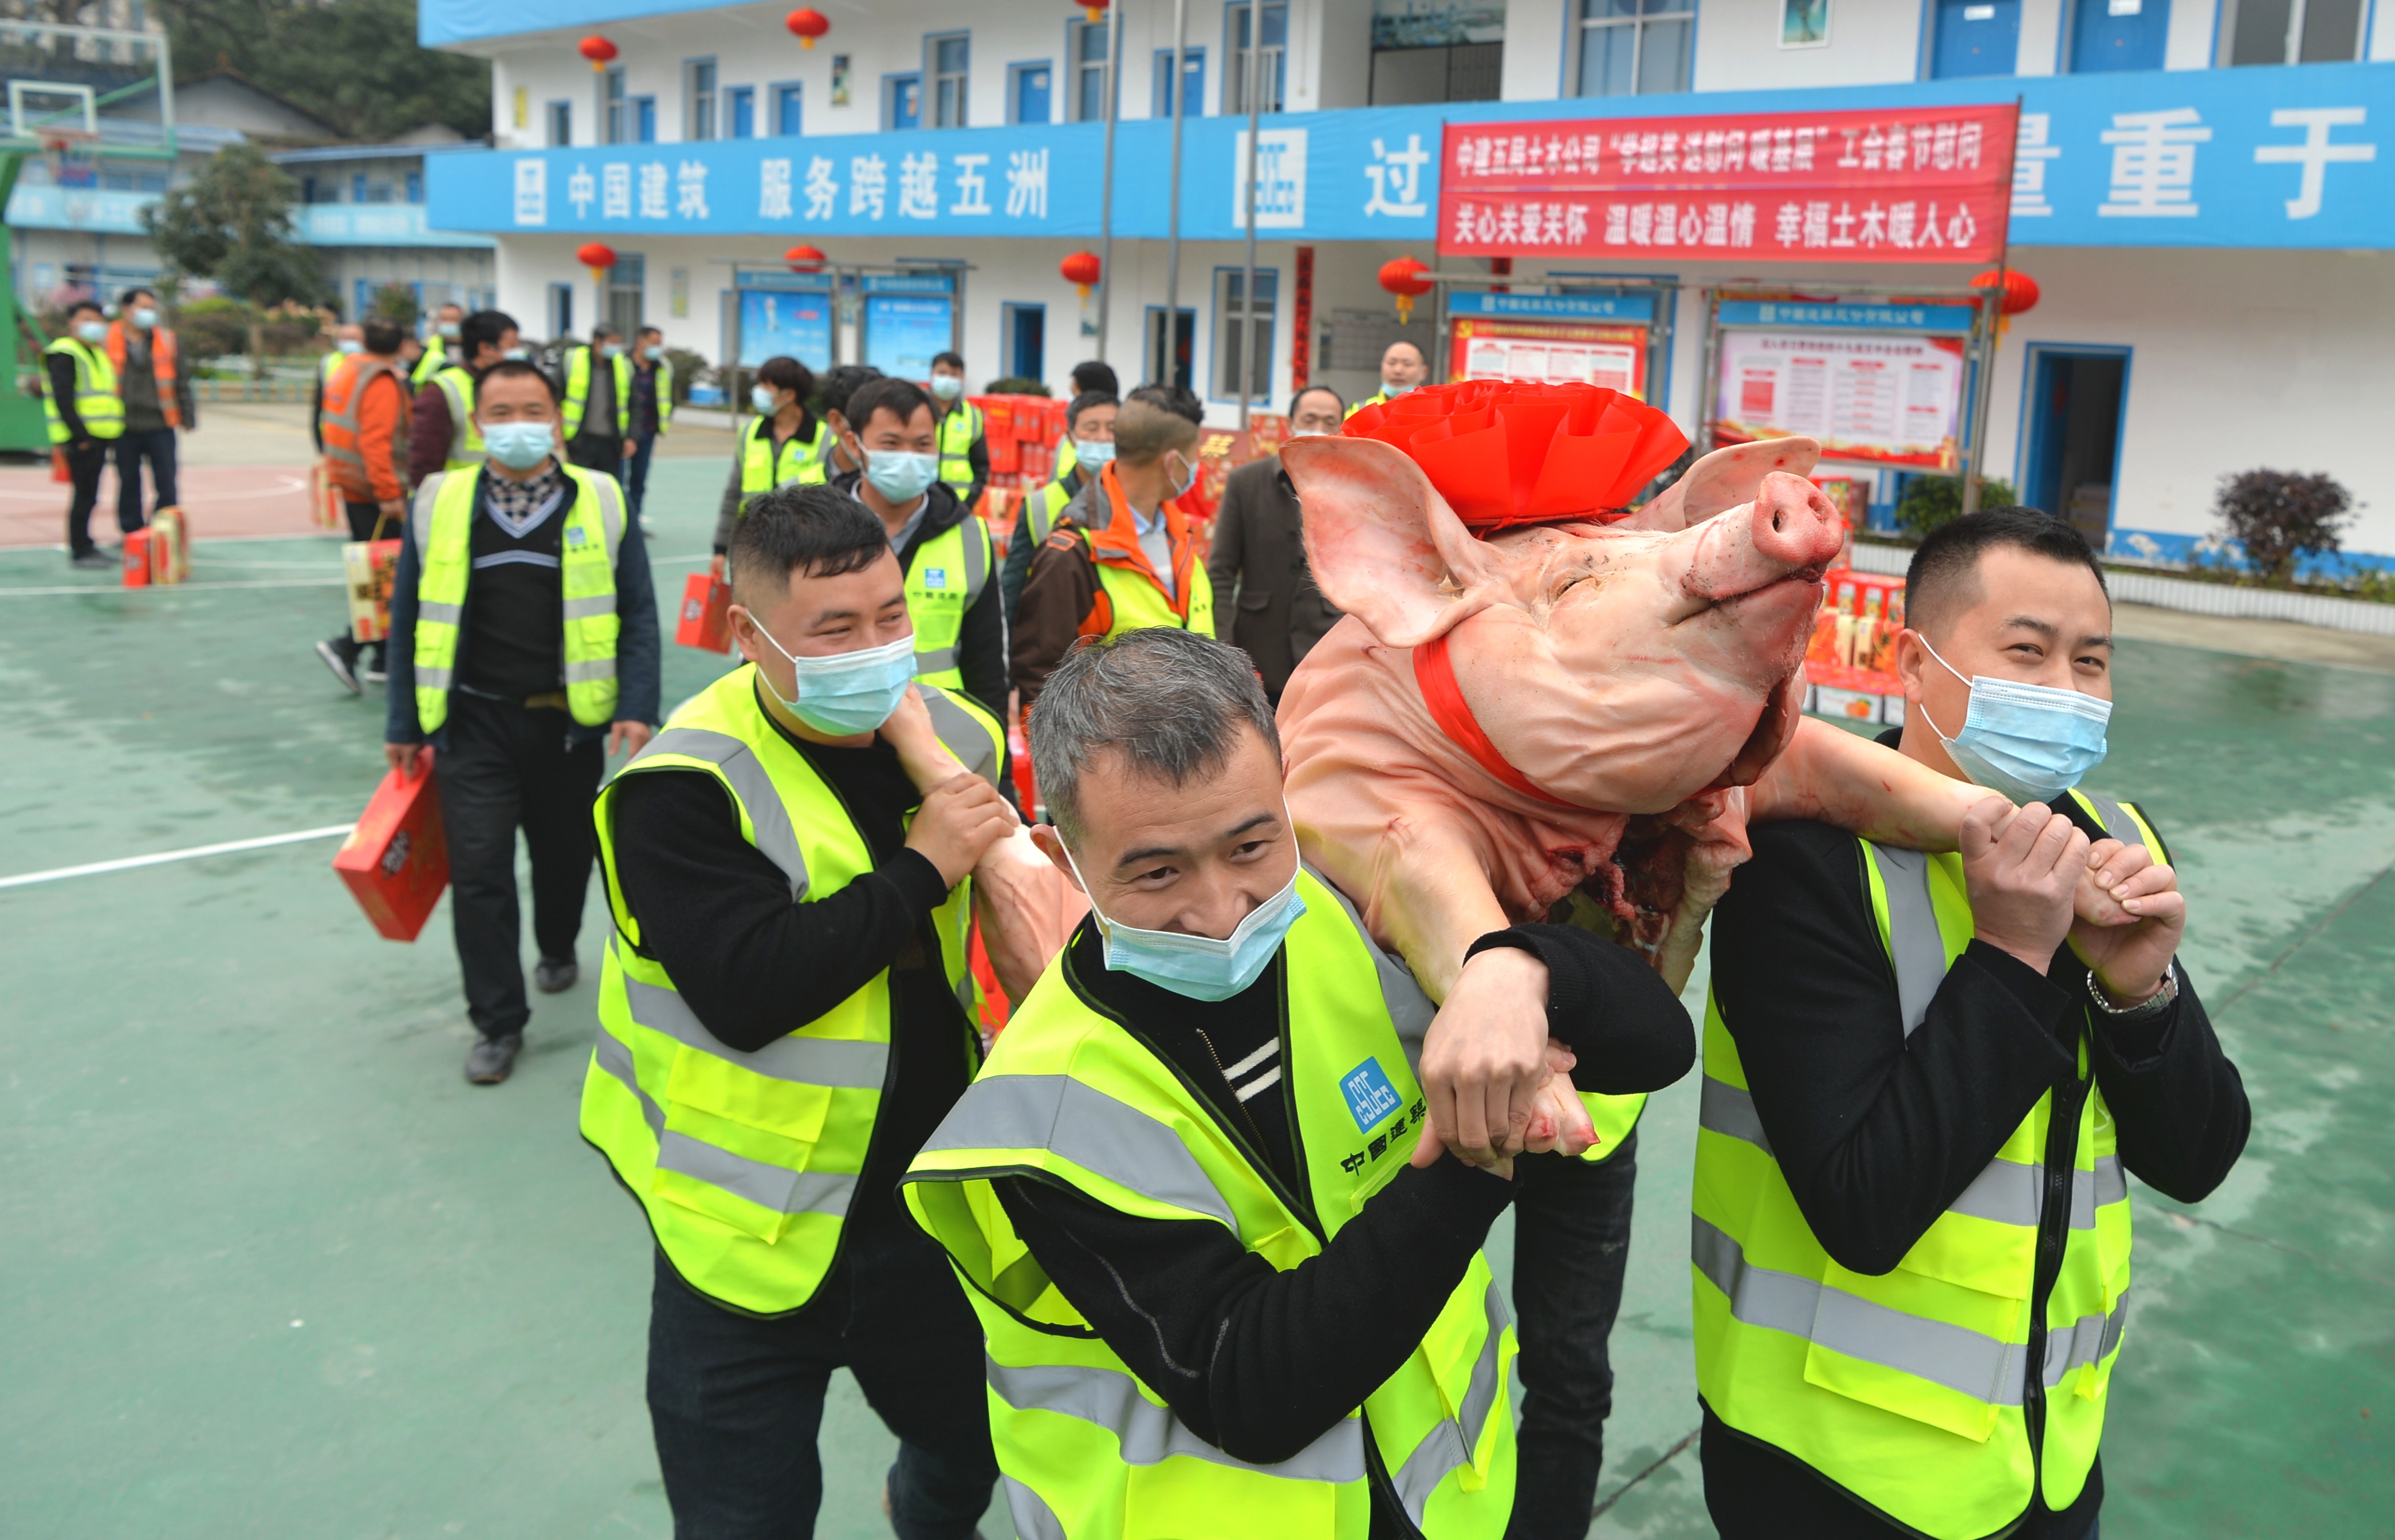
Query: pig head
[(1629, 684)]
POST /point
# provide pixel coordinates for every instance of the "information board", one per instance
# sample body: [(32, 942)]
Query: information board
[(909, 320), (1555, 339), (778, 320), (1886, 398)]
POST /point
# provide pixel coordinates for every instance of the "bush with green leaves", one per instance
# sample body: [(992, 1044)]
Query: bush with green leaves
[(1015, 385), (397, 303), (687, 368), (215, 328), (1929, 500), (2280, 516)]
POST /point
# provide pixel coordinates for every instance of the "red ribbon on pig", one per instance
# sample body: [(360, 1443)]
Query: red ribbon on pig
[(1435, 676), (1505, 453)]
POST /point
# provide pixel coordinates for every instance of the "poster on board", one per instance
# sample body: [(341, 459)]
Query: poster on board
[(777, 322), (1884, 397), (1614, 357)]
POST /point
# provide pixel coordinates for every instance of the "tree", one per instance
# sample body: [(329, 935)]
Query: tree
[(355, 64), (1929, 500), (232, 223), (2278, 515), (397, 303)]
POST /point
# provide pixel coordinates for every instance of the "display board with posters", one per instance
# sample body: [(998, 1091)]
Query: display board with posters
[(909, 319), (1556, 339), (1878, 383), (785, 314)]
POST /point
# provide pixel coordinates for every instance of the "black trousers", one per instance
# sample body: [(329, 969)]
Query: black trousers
[(1571, 1243), (505, 767), (364, 519), (158, 448), (736, 1401), (636, 471), (597, 454), (83, 466)]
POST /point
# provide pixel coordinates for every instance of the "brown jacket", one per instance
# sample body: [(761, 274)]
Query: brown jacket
[(1260, 552), (1062, 600)]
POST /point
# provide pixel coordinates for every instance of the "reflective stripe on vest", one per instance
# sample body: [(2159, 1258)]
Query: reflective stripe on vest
[(747, 1163), (959, 427), (665, 395), (339, 424), (466, 451), (1802, 1353), (1040, 512), (577, 390), (1076, 1097), (96, 400), (442, 527), (946, 579), (765, 465)]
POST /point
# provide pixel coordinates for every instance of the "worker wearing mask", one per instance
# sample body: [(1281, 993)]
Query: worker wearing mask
[(1091, 378), (1090, 430), (1928, 1082), (446, 324), (1122, 554), (786, 1012), (347, 342), (964, 446), (158, 405), (599, 400), (443, 435), (366, 444), (85, 416), (945, 550), (1188, 1174), (787, 445), (653, 406), (1257, 561), (835, 389), (1402, 368)]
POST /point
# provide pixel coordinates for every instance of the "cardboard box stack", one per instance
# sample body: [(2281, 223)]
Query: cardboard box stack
[(1023, 433), (1849, 664)]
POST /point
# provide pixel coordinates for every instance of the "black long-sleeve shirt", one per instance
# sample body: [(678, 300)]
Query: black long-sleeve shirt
[(1258, 1361), (1878, 1133), (754, 966), (60, 367)]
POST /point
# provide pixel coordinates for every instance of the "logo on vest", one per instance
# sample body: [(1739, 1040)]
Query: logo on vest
[(573, 534), (935, 577), (1369, 1096)]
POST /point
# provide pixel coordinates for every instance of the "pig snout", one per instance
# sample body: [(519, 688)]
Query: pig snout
[(1790, 527)]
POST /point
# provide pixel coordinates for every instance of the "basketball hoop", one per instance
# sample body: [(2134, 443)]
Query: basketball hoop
[(73, 154)]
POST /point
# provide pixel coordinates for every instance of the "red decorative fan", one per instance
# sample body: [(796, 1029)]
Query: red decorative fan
[(1503, 453)]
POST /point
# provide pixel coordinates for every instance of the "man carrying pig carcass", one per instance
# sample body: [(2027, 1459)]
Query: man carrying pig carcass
[(1188, 1172), (1927, 1079)]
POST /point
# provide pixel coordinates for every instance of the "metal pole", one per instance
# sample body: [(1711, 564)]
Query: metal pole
[(1107, 198), (1180, 77), (1990, 311), (1248, 284)]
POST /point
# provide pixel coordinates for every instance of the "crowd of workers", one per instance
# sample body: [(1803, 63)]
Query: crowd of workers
[(1126, 1263)]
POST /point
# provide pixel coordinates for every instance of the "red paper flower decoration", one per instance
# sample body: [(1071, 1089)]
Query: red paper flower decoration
[(1503, 453)]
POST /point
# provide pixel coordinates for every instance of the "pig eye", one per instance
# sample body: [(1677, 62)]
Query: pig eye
[(1572, 581)]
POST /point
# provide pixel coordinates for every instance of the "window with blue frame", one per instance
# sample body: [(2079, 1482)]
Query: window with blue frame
[(789, 115), (2118, 35), (1025, 332), (950, 59), (1028, 99), (699, 90), (741, 104), (645, 119), (2293, 31), (903, 103), (1975, 37), (1243, 334), (1271, 61), (612, 123), (1091, 63), (1193, 79), (1635, 47), (416, 187), (561, 124)]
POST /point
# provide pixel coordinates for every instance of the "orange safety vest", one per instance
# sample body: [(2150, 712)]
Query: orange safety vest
[(161, 366), (1117, 546), (343, 422)]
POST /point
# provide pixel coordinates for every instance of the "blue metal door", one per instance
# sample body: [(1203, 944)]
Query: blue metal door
[(1028, 324), (1031, 94), (1975, 37), (2119, 34), (907, 101)]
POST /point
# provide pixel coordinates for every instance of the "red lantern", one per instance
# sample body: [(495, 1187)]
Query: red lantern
[(1082, 271), (808, 23), (1095, 10), (805, 259), (598, 50), (598, 258), (1403, 277), (2020, 289)]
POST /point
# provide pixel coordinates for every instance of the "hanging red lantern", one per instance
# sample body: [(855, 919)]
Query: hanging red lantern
[(1402, 276), (1081, 270), (2020, 289), (805, 259), (598, 50), (808, 24), (598, 258), (1095, 10)]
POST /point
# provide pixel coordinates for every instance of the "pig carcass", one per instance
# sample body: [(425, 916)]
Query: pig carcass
[(1583, 715)]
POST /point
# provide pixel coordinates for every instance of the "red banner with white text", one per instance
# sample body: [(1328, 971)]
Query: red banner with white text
[(1916, 184)]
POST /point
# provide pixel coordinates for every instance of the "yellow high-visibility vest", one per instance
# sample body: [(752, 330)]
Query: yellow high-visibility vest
[(95, 398)]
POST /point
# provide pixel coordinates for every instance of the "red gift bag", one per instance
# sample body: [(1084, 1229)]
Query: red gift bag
[(706, 614), (136, 560), (396, 861)]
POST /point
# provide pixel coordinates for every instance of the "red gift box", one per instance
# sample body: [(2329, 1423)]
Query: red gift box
[(706, 614), (136, 560), (396, 861)]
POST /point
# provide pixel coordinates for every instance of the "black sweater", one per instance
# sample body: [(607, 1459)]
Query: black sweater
[(1877, 1132), (754, 966), (1260, 1363)]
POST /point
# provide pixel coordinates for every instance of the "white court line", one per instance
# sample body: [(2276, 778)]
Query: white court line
[(177, 587), (97, 867)]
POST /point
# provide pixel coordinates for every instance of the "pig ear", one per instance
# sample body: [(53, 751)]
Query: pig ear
[(1384, 546), (1725, 479)]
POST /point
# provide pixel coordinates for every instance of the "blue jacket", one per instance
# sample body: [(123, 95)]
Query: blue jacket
[(638, 655)]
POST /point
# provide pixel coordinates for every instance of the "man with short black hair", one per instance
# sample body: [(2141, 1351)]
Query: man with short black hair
[(653, 408), (366, 446), (443, 436), (1928, 1081), (1089, 446), (85, 415), (1091, 378), (833, 391), (788, 446), (1257, 562), (598, 401), (1179, 399), (964, 446), (786, 1012), (448, 325), (157, 388), (524, 647), (944, 548)]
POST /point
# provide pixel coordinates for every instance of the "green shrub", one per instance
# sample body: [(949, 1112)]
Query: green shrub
[(687, 368), (1015, 385), (1930, 501), (215, 328)]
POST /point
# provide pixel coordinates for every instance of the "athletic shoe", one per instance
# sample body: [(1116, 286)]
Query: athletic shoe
[(93, 561), (343, 667), (555, 977), (493, 1059)]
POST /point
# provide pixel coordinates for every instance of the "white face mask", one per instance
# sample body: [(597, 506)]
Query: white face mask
[(1181, 488), (1199, 967)]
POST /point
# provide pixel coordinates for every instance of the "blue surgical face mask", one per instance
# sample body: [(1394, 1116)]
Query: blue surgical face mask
[(654, 352), (350, 345), (767, 400), (1181, 487), (145, 318), (2030, 742), (1393, 391), (449, 331), (947, 387), (847, 692), (1199, 967), (1096, 454), (520, 446), (900, 476), (93, 332), (519, 354), (611, 350)]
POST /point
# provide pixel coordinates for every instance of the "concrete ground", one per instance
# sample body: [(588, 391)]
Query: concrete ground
[(274, 1269)]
